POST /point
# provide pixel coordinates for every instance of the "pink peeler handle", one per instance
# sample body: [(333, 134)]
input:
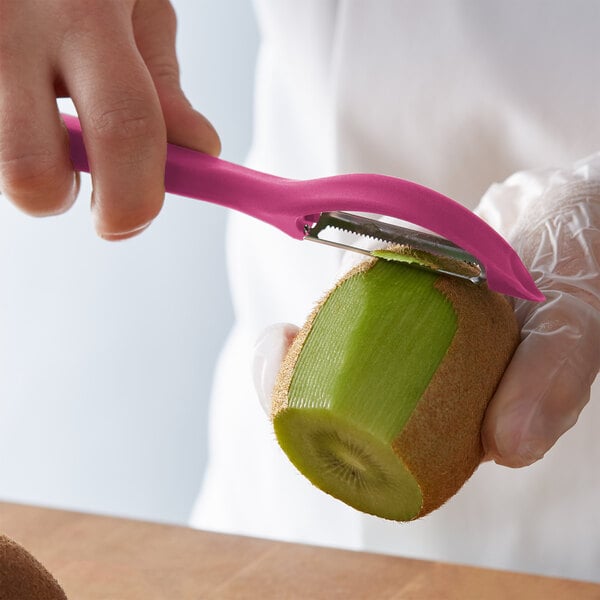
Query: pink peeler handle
[(290, 205)]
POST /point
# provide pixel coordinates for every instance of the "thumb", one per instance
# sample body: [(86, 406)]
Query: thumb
[(269, 351), (155, 27), (547, 383)]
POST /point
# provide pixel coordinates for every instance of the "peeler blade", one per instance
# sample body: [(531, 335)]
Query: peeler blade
[(417, 248)]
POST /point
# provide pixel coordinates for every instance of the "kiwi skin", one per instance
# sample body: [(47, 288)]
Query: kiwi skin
[(22, 577), (439, 446)]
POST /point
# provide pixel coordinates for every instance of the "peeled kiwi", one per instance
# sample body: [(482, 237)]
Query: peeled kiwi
[(22, 577), (380, 399)]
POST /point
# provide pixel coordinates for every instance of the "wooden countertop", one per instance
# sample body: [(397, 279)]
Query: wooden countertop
[(96, 557)]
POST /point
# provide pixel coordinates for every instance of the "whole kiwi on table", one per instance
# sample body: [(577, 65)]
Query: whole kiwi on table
[(23, 577), (380, 399)]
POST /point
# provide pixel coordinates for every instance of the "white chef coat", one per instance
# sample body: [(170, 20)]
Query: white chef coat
[(453, 94)]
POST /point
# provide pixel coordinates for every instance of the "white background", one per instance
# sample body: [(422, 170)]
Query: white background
[(107, 350)]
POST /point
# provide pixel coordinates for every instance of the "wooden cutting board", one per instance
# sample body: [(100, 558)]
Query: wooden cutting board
[(96, 557)]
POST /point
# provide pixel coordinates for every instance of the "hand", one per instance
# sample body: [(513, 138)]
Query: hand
[(116, 60), (552, 219)]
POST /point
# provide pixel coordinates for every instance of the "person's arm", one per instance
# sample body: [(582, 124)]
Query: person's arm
[(116, 60)]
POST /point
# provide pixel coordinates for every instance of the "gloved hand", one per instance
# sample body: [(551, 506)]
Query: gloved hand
[(552, 219)]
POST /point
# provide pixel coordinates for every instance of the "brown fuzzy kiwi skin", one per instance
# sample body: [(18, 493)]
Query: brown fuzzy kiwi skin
[(441, 442), (22, 577), (458, 394)]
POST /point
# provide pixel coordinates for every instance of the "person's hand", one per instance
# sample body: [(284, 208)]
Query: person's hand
[(552, 219), (116, 60)]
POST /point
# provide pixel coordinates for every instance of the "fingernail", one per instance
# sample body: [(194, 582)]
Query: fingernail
[(524, 455), (530, 451), (511, 445), (124, 235)]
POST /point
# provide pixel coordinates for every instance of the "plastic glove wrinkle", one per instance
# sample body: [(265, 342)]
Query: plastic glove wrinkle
[(554, 225)]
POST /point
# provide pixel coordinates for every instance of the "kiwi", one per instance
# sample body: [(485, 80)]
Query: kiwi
[(22, 577), (380, 399)]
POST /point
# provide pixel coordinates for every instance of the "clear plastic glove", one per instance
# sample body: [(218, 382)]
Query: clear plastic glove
[(117, 61), (552, 219)]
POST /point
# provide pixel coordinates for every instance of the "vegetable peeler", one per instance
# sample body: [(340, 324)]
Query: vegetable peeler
[(309, 209)]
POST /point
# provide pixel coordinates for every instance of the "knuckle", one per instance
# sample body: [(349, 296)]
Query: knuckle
[(93, 18), (165, 70), (129, 120)]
